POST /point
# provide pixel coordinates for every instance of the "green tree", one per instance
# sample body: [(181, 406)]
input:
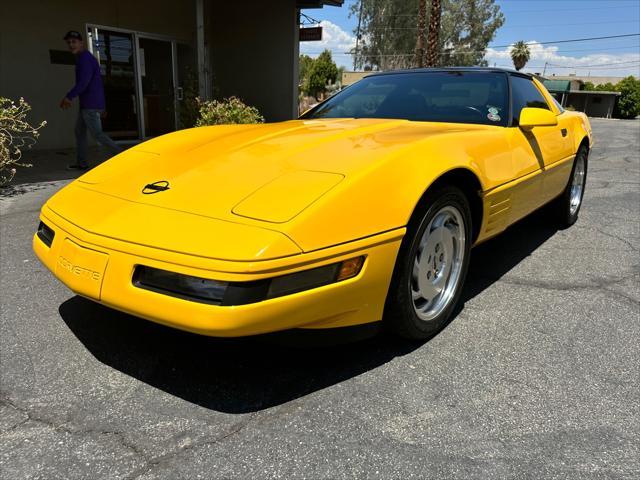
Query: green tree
[(305, 67), (322, 72), (520, 54), (628, 105), (606, 87), (389, 30)]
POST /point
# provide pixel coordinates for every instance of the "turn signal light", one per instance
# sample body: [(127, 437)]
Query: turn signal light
[(350, 268)]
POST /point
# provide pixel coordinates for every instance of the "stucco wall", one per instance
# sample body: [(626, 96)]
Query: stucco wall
[(592, 104), (30, 28), (253, 48)]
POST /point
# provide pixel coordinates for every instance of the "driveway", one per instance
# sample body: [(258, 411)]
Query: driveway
[(536, 377)]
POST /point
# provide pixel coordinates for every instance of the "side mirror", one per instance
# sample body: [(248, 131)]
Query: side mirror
[(537, 117)]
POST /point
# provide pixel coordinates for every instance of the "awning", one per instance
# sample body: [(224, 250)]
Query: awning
[(558, 85), (318, 3)]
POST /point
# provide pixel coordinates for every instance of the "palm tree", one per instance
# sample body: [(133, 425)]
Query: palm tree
[(422, 13), (434, 33), (520, 54)]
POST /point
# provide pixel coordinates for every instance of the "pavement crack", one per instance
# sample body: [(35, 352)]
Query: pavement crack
[(602, 284), (154, 462), (63, 428), (611, 235)]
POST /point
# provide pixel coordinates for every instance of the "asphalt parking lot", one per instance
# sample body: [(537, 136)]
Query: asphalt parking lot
[(536, 377)]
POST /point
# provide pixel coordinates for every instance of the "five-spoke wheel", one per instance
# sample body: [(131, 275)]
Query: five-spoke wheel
[(437, 263), (431, 266)]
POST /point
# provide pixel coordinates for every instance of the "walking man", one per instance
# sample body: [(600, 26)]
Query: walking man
[(90, 91)]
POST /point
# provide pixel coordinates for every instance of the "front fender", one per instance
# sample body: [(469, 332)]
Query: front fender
[(383, 197)]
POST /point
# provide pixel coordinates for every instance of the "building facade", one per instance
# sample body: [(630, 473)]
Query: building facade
[(595, 80), (570, 95), (155, 57)]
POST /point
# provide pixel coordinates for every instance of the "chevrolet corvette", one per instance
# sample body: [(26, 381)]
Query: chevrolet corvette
[(364, 209)]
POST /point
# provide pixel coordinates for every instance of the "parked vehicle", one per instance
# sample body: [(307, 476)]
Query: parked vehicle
[(365, 208)]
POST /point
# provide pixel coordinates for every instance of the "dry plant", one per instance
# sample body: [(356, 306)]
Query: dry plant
[(16, 134)]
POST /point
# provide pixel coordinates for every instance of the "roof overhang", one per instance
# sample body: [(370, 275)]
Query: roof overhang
[(318, 3), (593, 92)]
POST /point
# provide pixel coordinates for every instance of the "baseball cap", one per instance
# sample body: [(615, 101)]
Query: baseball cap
[(73, 34)]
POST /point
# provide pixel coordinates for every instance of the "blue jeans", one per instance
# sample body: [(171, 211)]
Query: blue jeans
[(89, 118)]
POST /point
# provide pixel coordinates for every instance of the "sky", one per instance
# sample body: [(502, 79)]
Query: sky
[(533, 21)]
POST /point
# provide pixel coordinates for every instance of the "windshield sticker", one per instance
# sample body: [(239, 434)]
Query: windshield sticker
[(493, 117), (493, 111)]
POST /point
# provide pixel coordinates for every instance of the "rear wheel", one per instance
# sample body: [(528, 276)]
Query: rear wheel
[(431, 266), (567, 206)]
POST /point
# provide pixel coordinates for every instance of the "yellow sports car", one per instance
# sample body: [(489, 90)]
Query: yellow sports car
[(364, 209)]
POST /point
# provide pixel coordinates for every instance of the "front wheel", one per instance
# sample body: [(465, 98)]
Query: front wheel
[(431, 266)]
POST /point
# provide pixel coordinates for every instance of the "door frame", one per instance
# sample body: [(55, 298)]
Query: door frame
[(136, 36)]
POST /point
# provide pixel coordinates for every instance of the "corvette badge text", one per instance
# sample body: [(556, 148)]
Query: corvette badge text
[(78, 270)]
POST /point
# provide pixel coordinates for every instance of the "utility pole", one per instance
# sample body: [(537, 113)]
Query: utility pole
[(422, 13), (355, 55), (434, 33), (545, 69)]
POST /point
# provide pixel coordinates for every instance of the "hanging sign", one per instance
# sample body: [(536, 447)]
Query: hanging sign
[(311, 34)]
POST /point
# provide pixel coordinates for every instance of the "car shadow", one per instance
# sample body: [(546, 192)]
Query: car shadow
[(494, 258), (229, 375), (250, 374)]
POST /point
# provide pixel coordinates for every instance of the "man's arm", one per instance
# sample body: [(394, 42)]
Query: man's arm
[(83, 78)]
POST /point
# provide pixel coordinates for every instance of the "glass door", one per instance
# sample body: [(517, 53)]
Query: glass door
[(157, 85), (115, 52)]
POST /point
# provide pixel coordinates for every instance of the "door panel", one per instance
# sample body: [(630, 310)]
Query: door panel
[(526, 189), (557, 173), (156, 72), (115, 53)]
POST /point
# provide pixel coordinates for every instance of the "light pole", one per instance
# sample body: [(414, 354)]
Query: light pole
[(355, 55)]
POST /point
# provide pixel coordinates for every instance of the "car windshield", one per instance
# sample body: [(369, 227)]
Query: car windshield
[(444, 96)]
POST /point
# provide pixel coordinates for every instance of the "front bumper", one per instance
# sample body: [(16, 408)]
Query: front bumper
[(102, 268)]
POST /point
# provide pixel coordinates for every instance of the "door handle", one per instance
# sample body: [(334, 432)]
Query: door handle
[(564, 132), (180, 93)]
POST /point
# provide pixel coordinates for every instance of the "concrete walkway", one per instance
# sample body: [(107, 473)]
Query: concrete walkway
[(51, 165)]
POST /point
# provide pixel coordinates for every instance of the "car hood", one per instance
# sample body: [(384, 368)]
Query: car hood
[(268, 172), (260, 175)]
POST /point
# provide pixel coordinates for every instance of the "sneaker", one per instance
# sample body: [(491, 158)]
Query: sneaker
[(75, 166)]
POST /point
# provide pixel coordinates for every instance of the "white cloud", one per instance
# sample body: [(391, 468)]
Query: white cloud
[(595, 64), (341, 42), (334, 39)]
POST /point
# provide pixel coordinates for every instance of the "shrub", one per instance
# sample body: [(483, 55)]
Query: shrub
[(628, 105), (16, 134), (228, 111)]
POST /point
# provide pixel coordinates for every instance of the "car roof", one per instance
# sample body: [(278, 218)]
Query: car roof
[(509, 71)]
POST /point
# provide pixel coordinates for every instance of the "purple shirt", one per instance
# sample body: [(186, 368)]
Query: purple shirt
[(88, 82)]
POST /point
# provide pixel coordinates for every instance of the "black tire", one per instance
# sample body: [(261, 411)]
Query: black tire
[(561, 206), (400, 315)]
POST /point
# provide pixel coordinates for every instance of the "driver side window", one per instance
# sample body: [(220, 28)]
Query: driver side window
[(524, 93)]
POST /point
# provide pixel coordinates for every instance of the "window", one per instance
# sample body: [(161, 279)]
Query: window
[(440, 96), (525, 94), (557, 102)]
